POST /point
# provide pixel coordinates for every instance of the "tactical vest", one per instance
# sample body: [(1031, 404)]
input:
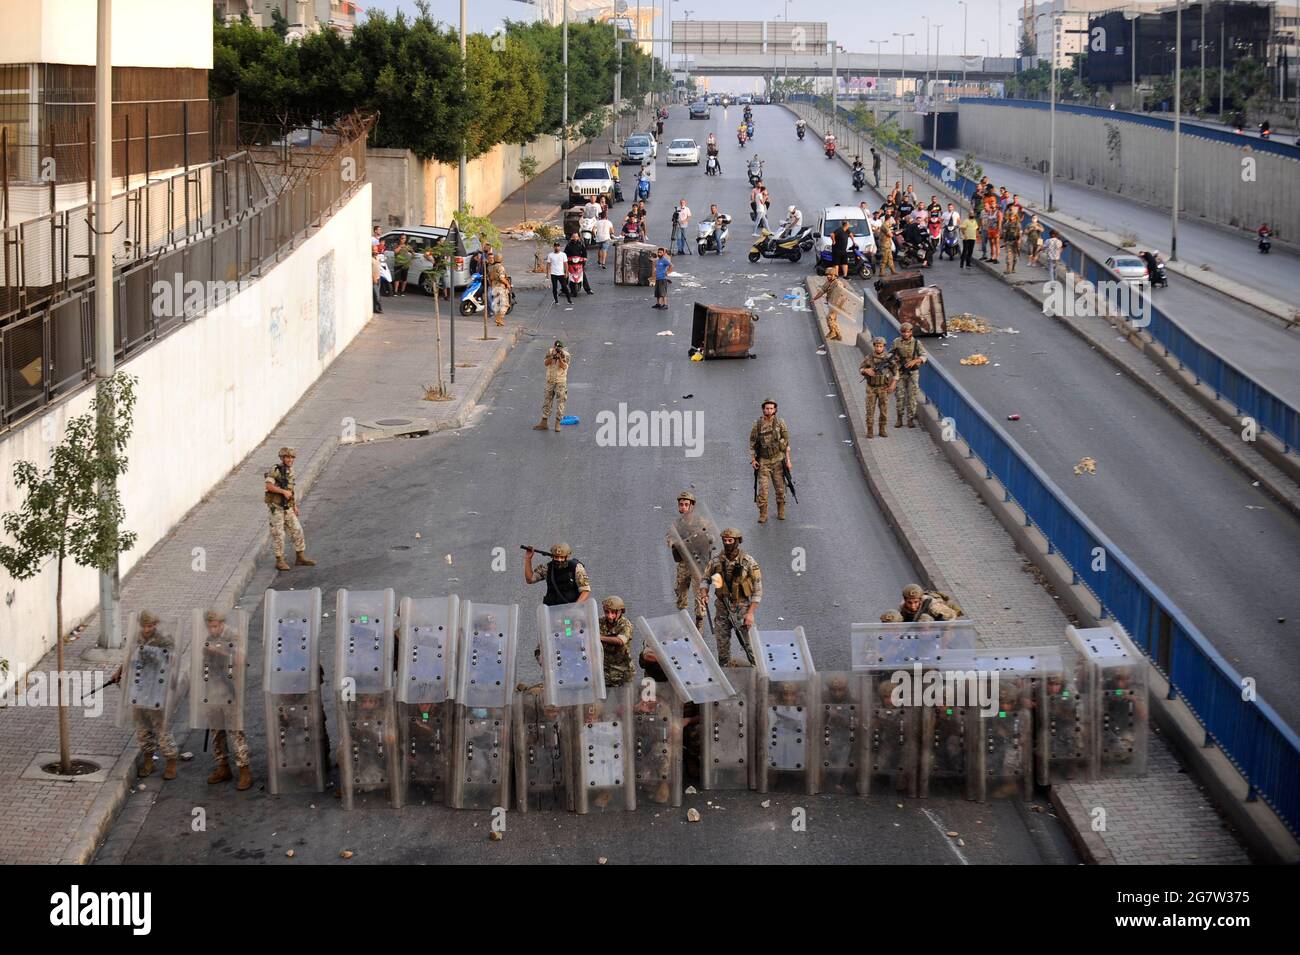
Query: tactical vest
[(284, 481), (736, 580), (883, 366), (561, 583), (767, 442), (906, 351)]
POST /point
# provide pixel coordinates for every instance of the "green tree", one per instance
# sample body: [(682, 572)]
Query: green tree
[(527, 169), (279, 25), (592, 125), (73, 509)]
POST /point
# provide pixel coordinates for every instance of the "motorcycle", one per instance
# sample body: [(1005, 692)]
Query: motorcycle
[(471, 300), (711, 166), (950, 243), (749, 130), (711, 235), (909, 254), (1265, 243), (859, 264), (859, 179), (755, 174), (740, 138), (772, 246), (587, 229), (643, 189), (830, 149), (799, 130), (1158, 277), (576, 265)]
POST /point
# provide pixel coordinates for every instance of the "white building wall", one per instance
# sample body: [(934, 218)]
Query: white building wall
[(152, 33)]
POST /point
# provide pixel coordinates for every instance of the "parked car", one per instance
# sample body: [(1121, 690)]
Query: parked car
[(700, 110), (422, 237), (1129, 268), (830, 220), (591, 180), (638, 147), (683, 152)]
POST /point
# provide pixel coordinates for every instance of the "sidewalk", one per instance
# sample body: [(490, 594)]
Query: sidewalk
[(1159, 818), (380, 376)]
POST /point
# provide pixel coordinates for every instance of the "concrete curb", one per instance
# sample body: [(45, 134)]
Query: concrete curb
[(111, 799), (1089, 845)]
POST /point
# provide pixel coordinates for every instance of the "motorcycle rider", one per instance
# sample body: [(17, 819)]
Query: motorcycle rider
[(792, 224), (799, 128), (755, 169), (741, 135), (829, 143), (578, 249), (1265, 237), (859, 172), (720, 221), (1152, 259)]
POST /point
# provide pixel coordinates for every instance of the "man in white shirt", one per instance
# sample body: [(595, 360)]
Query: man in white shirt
[(793, 221), (558, 264), (603, 234), (683, 220), (374, 241), (591, 210)]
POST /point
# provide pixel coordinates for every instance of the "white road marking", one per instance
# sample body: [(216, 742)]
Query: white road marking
[(943, 832)]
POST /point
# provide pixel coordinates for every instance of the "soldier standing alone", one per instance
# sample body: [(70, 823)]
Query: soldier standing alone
[(150, 725), (282, 503), (557, 385), (739, 583), (881, 373), (769, 449), (695, 535), (909, 355), (616, 642)]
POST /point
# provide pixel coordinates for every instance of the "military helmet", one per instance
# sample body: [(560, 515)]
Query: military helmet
[(562, 550), (732, 532), (769, 401), (613, 603), (686, 496), (913, 590), (148, 619), (287, 451), (905, 327), (214, 616), (879, 341)]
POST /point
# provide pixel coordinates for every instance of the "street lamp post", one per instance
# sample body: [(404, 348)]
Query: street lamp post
[(564, 115), (902, 63), (464, 65), (927, 52), (875, 103), (934, 100), (1051, 149), (1178, 123), (965, 16)]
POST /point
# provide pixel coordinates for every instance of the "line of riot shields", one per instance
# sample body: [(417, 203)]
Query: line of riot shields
[(428, 709)]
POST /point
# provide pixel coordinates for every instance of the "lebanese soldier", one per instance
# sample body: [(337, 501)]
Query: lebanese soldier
[(739, 583), (616, 642), (909, 354), (880, 369), (557, 385), (918, 605), (566, 579), (769, 449), (696, 536), (150, 726), (217, 638), (282, 503)]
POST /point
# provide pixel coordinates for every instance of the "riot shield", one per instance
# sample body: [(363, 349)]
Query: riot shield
[(603, 744), (784, 710), (151, 673), (1116, 690), (426, 683), (695, 539), (950, 726), (542, 736), (839, 738), (892, 644), (893, 732), (1065, 734), (485, 690), (1015, 690), (295, 723), (572, 671), (783, 655), (687, 660), (363, 673), (218, 669), (726, 735), (657, 727)]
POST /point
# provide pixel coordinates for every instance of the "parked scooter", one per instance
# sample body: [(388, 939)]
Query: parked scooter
[(471, 300), (712, 236), (950, 243), (771, 246)]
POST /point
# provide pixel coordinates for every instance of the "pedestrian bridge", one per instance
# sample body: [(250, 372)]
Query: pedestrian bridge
[(977, 69)]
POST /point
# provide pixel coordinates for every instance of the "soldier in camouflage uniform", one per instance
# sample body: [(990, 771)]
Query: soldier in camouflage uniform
[(616, 642), (150, 727), (739, 580), (686, 580), (557, 385), (769, 449), (918, 605), (909, 355), (282, 502), (880, 369), (215, 621)]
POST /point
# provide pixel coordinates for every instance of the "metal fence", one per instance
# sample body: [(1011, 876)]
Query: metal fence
[(1249, 732), (47, 344)]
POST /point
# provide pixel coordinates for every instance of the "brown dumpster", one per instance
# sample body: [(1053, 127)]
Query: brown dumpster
[(923, 307), (634, 263), (887, 289), (720, 331)]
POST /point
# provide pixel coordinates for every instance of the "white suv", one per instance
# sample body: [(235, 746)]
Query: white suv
[(591, 180)]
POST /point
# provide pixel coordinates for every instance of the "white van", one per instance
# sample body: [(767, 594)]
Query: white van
[(830, 221)]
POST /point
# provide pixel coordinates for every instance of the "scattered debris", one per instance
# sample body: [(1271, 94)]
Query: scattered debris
[(417, 535), (447, 558), (346, 854), (289, 853), (976, 359), (691, 790), (495, 836), (766, 804), (602, 860), (966, 322), (692, 815), (1086, 466), (186, 756), (1013, 417), (666, 331), (952, 834)]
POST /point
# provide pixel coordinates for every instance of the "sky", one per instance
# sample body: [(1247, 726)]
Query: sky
[(851, 22)]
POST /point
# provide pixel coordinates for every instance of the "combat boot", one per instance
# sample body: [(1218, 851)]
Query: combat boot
[(245, 779), (884, 430), (146, 767), (780, 510), (280, 563), (762, 515), (169, 770), (870, 432), (542, 427), (911, 422), (303, 560), (557, 424), (898, 422), (220, 774)]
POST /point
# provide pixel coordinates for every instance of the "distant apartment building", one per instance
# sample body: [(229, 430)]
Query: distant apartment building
[(301, 16)]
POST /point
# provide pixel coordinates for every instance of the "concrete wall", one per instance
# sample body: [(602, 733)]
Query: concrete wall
[(1130, 159), (176, 33), (209, 394)]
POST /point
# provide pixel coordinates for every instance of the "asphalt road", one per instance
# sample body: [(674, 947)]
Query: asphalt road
[(496, 484)]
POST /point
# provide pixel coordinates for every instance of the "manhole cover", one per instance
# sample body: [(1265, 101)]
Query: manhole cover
[(393, 422)]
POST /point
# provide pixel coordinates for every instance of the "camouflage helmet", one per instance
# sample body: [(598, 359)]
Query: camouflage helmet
[(769, 401), (891, 616), (148, 619), (613, 603), (686, 496), (905, 327), (732, 532), (287, 452), (879, 341), (562, 550), (912, 591), (214, 616)]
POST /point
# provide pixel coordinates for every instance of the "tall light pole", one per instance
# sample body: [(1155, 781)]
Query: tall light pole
[(1132, 17), (934, 100), (927, 53), (564, 115), (464, 65), (999, 23), (937, 28), (1178, 123), (875, 103), (902, 63), (1202, 43), (1051, 149), (965, 16)]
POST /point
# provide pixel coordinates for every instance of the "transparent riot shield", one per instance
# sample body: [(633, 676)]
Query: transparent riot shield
[(572, 671), (426, 683), (543, 774), (291, 676), (694, 539), (950, 723), (839, 736), (603, 746), (151, 674), (784, 711), (1012, 689), (893, 736), (889, 644), (485, 690), (727, 736), (364, 660), (1065, 733), (1116, 691), (687, 660), (218, 669), (657, 728), (783, 655)]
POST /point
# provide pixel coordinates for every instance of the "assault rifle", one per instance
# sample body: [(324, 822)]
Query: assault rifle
[(734, 617), (789, 480), (106, 683), (544, 553)]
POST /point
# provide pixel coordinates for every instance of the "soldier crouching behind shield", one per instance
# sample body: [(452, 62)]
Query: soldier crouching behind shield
[(689, 527), (215, 646), (918, 605), (150, 726)]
